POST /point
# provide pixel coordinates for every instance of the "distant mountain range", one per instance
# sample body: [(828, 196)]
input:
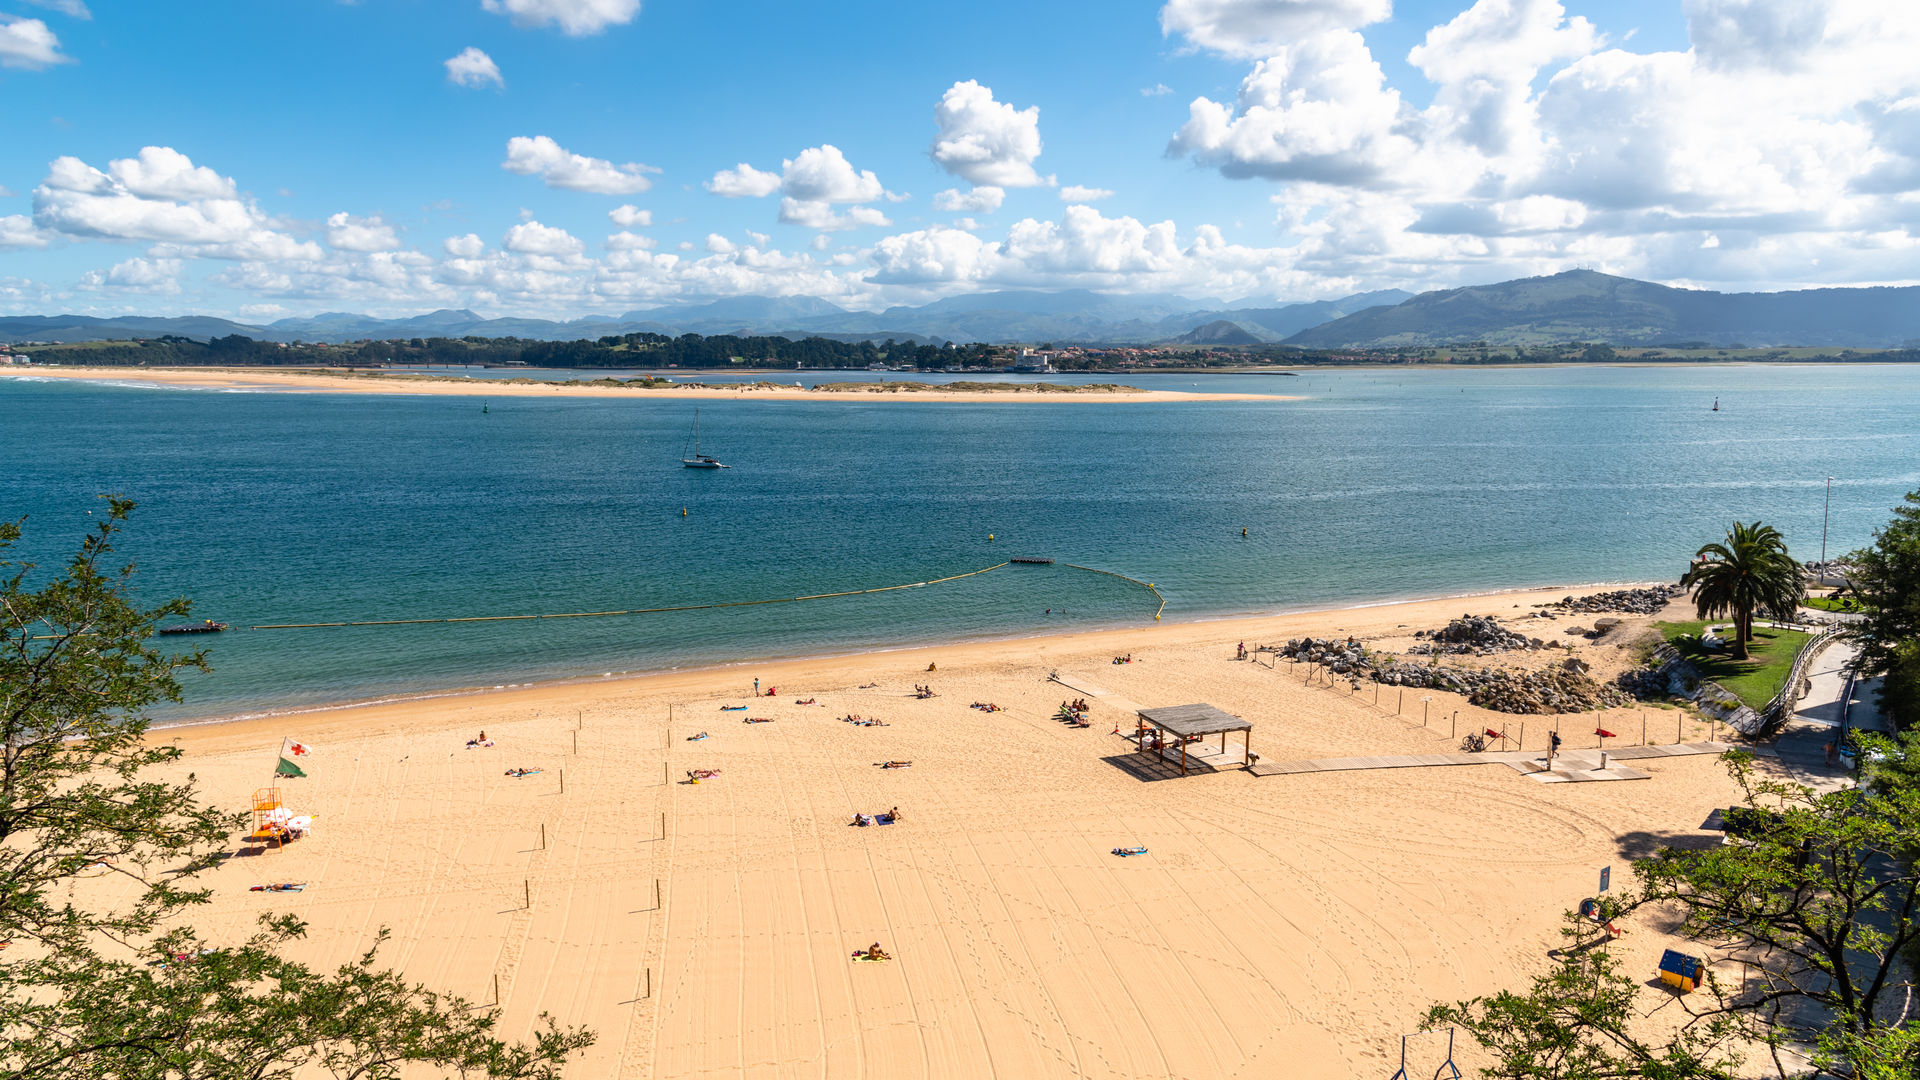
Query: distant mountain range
[(1581, 305), (1576, 306)]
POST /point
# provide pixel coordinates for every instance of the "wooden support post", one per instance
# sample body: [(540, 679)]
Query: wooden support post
[(496, 988), (563, 781), (1678, 719), (656, 894), (665, 777), (649, 982), (576, 742), (527, 883), (1643, 727), (543, 836), (1403, 700), (1522, 744), (663, 824), (1454, 732)]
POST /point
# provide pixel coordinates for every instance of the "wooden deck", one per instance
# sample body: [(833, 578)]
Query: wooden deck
[(1568, 765)]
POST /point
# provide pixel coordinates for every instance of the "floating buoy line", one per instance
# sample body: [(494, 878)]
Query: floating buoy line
[(706, 607)]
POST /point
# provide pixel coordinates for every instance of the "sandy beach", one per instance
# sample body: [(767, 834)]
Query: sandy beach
[(311, 382), (1276, 926)]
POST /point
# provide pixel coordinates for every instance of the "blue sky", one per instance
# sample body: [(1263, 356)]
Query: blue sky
[(1262, 149)]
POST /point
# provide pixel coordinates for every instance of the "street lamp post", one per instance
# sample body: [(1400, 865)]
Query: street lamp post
[(1824, 515)]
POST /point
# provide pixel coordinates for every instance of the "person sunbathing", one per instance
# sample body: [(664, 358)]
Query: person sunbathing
[(284, 886), (758, 720), (697, 736), (863, 820), (868, 685), (521, 772), (1137, 850), (893, 815), (872, 952), (896, 764)]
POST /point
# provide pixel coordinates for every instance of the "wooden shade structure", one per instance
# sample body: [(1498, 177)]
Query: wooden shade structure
[(1195, 721)]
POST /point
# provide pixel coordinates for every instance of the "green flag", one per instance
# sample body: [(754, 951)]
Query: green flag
[(289, 750), (288, 768)]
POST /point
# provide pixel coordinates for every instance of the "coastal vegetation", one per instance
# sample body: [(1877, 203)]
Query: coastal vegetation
[(110, 978), (1754, 680), (1885, 584), (1750, 572)]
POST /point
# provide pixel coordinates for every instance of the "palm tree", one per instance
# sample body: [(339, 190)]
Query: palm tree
[(1751, 572)]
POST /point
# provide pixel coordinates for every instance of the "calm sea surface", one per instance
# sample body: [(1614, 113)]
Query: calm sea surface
[(273, 507)]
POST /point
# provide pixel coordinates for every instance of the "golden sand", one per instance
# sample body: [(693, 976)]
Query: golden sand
[(1282, 926)]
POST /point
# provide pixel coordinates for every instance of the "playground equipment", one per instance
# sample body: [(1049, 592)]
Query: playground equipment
[(1447, 1067), (1681, 971)]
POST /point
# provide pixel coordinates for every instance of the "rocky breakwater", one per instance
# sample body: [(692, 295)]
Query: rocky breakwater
[(1648, 601), (1346, 657), (1471, 635), (1564, 688)]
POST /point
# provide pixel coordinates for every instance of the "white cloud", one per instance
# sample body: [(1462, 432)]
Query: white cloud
[(136, 275), (629, 241), (472, 67), (743, 181), (759, 239), (576, 18), (561, 168), (160, 195), (720, 245), (810, 183), (465, 247), (1318, 109), (1250, 29), (1074, 193), (980, 200), (629, 217), (986, 142), (28, 44), (17, 231), (72, 8), (259, 313), (349, 233), (533, 238), (1156, 90)]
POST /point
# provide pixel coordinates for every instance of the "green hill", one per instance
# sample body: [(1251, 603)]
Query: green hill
[(1581, 305)]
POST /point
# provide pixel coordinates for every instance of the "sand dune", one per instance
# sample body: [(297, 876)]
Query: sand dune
[(1278, 926)]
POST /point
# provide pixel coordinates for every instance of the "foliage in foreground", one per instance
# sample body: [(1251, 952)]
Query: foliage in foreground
[(125, 989), (1885, 582), (1806, 920)]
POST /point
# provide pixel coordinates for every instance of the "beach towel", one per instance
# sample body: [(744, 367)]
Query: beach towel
[(864, 820), (1604, 733), (1123, 852), (285, 886), (863, 958), (518, 773), (733, 708), (758, 720)]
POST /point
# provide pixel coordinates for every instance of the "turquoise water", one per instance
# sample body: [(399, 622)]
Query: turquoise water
[(273, 507)]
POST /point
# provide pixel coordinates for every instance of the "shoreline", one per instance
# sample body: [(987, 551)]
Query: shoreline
[(640, 680), (309, 382)]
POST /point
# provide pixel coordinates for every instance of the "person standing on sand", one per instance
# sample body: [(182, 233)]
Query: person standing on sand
[(756, 687)]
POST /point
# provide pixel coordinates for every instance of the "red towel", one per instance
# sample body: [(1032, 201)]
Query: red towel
[(1604, 733)]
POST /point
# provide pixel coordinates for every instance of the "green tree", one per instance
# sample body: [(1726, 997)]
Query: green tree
[(1751, 572), (126, 988), (1885, 580)]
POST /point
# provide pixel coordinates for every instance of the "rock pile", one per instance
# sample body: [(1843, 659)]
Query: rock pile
[(1472, 635), (1552, 690), (1341, 657), (1647, 601)]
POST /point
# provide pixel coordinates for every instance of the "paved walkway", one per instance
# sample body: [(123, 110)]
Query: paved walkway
[(1802, 742)]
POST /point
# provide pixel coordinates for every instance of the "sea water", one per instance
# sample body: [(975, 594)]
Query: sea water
[(277, 507)]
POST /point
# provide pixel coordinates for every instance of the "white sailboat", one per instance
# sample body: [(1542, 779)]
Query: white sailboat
[(700, 460)]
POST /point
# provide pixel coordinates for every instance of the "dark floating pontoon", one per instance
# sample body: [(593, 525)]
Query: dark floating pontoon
[(207, 627)]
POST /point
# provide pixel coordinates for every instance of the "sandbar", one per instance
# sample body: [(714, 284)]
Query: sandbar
[(1276, 926), (315, 382)]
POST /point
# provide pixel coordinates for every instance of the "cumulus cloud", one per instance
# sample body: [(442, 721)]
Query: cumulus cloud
[(629, 241), (810, 184), (136, 276), (533, 238), (160, 195), (986, 142), (27, 44), (1250, 29), (1074, 193), (980, 200), (465, 247), (630, 217), (1156, 90), (576, 18), (17, 231), (73, 8), (560, 168), (743, 181), (472, 67), (349, 233)]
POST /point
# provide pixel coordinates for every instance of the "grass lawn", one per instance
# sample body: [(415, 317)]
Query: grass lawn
[(1753, 681), (1828, 603)]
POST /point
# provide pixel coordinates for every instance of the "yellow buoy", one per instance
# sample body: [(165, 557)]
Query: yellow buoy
[(989, 536), (683, 511)]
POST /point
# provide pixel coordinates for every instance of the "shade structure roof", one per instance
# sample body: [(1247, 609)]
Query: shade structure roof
[(1186, 720)]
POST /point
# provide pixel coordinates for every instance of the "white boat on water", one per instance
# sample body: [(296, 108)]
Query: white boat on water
[(698, 460)]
